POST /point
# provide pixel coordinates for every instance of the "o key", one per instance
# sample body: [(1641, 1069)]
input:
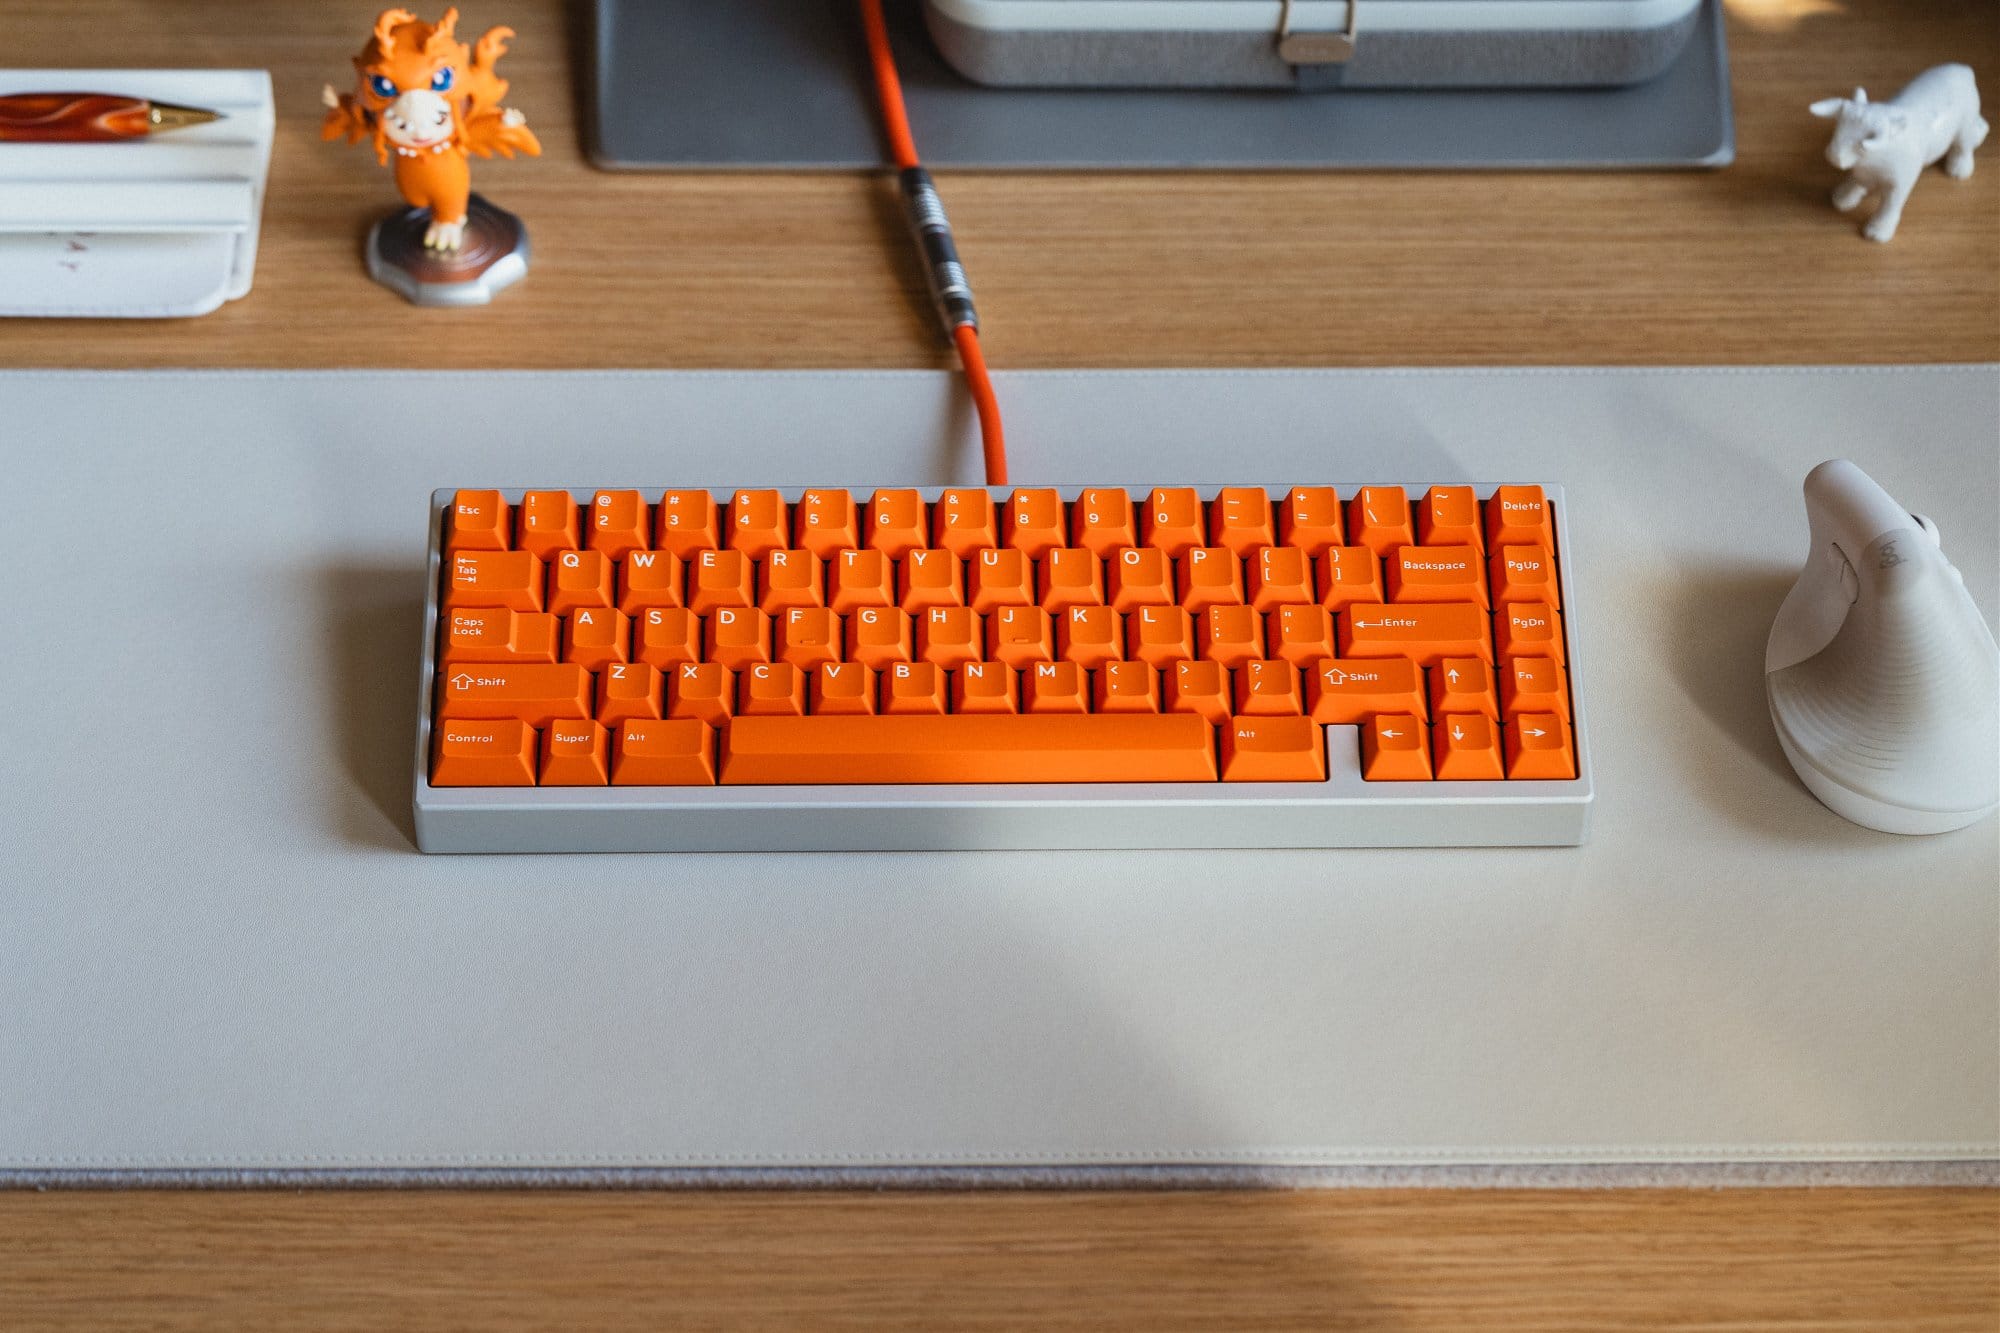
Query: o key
[(1138, 576)]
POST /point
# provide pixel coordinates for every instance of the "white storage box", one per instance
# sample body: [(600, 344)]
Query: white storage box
[(1310, 43)]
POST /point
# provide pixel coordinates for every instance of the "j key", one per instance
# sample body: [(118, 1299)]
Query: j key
[(1070, 576), (808, 636), (1463, 685), (649, 579), (1519, 516), (1173, 521), (1102, 521), (597, 637), (1538, 747), (1528, 629), (1020, 636), (1198, 687), (1273, 749), (1209, 576), (997, 578), (825, 521), (702, 691), (1268, 688), (915, 687), (897, 522), (1424, 632), (1349, 692), (1533, 685), (964, 521), (663, 754), (1525, 574), (1090, 636), (842, 687), (627, 690), (1279, 576), (861, 578), (1301, 635), (619, 521), (721, 578), (1348, 574), (1125, 687), (1055, 687), (931, 578), (480, 521), (985, 687), (771, 689), (789, 578), (513, 579), (547, 522), (1021, 748), (575, 754), (668, 637), (1239, 519), (760, 522), (1309, 519), (738, 636), (879, 637), (496, 634), (1231, 635), (1159, 635), (1436, 574), (950, 636), (1395, 749), (1378, 517), (528, 692), (1465, 747), (689, 523), (498, 752), (1138, 576), (1449, 516), (580, 579), (1033, 520)]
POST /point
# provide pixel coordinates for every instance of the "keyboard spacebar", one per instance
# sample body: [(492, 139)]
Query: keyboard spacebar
[(1040, 747)]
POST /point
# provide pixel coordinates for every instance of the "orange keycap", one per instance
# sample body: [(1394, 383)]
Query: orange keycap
[(547, 522), (1301, 635), (914, 687), (496, 634), (689, 523), (861, 578), (1436, 574), (737, 636), (1267, 687), (1273, 749), (1125, 687), (1538, 747), (663, 754), (596, 637), (1348, 574), (619, 522), (1279, 576), (931, 578), (1378, 517), (984, 687), (897, 522), (1159, 635), (580, 579), (965, 521), (771, 689), (950, 636), (1101, 520), (1519, 516), (1309, 519), (1173, 520), (1055, 687), (703, 691), (496, 753), (478, 521), (786, 579), (575, 754), (628, 690), (1198, 687), (668, 637), (1528, 629), (1019, 636), (717, 579), (1533, 685), (1350, 692), (1090, 636), (1138, 576), (1070, 577), (527, 691), (1449, 516), (1209, 576), (1525, 574), (825, 522), (512, 579), (1231, 635), (842, 687), (998, 578), (878, 637), (1046, 747), (1463, 685), (648, 579), (1465, 747), (1424, 631), (1034, 522), (1395, 749), (808, 636), (1239, 519), (760, 522)]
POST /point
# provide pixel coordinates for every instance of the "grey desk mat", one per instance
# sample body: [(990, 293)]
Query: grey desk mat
[(683, 84), (221, 960)]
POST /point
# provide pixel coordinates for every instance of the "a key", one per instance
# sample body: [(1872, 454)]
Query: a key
[(1070, 576), (597, 637), (1231, 635), (1279, 576), (1423, 631), (1198, 687), (914, 687), (789, 578), (1019, 636), (1047, 747), (1138, 576), (1525, 574), (1538, 747), (984, 687), (580, 579), (1089, 636), (1309, 519), (825, 522), (737, 636), (619, 521), (496, 634), (1209, 576), (702, 691), (760, 522), (965, 521), (861, 578), (1353, 691), (649, 579), (1125, 687), (1465, 747), (1378, 517), (1395, 749), (1159, 635), (663, 754), (771, 689), (687, 523), (1102, 521), (547, 522), (842, 687), (1301, 635), (1463, 685), (1033, 519), (1173, 521), (575, 754), (716, 579), (896, 523), (807, 636), (1533, 685), (627, 690), (667, 637), (498, 752), (997, 578), (950, 636), (1449, 516), (1346, 575), (1528, 629), (1519, 516), (529, 692), (931, 578), (1239, 520), (879, 637), (1267, 687), (1436, 574), (1273, 749), (479, 521), (513, 579), (1055, 687)]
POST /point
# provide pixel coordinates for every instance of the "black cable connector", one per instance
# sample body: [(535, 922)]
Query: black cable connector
[(932, 229)]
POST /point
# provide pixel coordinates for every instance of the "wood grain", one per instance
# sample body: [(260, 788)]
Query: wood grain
[(1377, 268), (1499, 1261)]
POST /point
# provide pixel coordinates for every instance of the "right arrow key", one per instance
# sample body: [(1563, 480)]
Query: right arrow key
[(1538, 746)]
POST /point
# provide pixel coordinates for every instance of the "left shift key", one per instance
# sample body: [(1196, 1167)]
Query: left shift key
[(534, 693)]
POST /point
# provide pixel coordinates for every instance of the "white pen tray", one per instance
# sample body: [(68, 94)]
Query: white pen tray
[(155, 227)]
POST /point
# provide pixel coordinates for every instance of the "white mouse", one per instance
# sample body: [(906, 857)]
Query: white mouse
[(1884, 682)]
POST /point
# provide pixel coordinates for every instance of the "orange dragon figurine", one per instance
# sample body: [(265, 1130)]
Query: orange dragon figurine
[(426, 97)]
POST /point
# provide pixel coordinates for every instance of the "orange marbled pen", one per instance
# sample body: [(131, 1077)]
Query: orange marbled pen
[(90, 117)]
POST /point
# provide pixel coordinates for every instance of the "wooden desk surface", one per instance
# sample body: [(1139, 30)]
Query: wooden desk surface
[(1747, 265)]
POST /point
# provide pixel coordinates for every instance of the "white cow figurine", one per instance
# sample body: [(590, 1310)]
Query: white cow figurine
[(1885, 146)]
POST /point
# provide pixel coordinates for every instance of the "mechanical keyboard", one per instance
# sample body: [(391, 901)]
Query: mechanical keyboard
[(1305, 665)]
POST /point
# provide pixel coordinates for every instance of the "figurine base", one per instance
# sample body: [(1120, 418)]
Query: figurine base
[(493, 257)]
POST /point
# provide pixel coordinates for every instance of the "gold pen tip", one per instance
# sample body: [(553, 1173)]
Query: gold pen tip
[(172, 116)]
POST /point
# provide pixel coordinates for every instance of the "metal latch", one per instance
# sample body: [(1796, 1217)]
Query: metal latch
[(1315, 48)]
